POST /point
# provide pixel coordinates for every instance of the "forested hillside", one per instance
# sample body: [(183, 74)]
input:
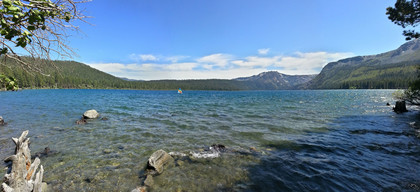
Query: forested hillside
[(390, 70), (58, 74), (70, 74)]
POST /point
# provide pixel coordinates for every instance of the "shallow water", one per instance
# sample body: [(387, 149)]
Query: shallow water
[(338, 140)]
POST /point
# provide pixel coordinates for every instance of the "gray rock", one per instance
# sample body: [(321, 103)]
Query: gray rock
[(81, 121), (159, 159), (149, 181), (107, 151), (45, 187), (1, 120), (91, 114)]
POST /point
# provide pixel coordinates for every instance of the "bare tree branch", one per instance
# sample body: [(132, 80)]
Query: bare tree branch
[(39, 28)]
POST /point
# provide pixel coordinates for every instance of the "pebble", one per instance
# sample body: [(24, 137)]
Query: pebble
[(107, 151), (180, 163)]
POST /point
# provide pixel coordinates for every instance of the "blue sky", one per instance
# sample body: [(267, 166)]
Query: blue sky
[(202, 39)]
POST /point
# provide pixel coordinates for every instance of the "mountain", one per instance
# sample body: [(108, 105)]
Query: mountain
[(273, 80), (393, 69)]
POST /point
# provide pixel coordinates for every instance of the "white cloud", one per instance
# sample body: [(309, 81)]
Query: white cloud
[(143, 57), (215, 60), (254, 61), (263, 51), (109, 67), (175, 59), (308, 63), (221, 66), (178, 67)]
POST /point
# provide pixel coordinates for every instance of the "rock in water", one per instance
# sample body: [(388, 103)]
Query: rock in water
[(218, 147), (158, 159), (47, 151), (149, 181), (91, 114), (1, 120), (81, 121), (400, 107)]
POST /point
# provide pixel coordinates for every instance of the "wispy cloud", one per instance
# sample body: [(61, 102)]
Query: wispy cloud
[(308, 63), (143, 57), (219, 66), (215, 61), (263, 51), (255, 61), (177, 58)]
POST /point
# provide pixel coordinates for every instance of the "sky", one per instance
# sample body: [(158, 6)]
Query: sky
[(225, 39)]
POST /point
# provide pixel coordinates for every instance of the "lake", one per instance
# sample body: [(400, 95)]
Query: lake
[(326, 140)]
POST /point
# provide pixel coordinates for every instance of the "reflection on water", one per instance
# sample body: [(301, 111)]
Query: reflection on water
[(346, 140)]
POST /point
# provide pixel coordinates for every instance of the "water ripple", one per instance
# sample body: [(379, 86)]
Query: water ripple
[(338, 140)]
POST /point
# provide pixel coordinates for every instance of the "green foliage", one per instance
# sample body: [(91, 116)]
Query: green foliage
[(9, 83), (398, 94), (406, 13), (19, 20), (412, 94)]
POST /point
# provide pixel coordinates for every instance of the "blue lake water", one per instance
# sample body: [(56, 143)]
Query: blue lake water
[(331, 140)]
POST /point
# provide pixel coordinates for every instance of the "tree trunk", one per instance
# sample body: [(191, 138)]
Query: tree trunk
[(21, 176), (400, 107)]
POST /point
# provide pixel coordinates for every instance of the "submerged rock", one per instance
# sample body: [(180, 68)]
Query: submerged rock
[(149, 181), (81, 121), (400, 107), (177, 154), (47, 151), (218, 147), (2, 121), (107, 151), (91, 114), (158, 160)]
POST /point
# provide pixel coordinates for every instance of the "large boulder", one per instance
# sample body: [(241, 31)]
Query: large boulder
[(158, 160), (91, 114)]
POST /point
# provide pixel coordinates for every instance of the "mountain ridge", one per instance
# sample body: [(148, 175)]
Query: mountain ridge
[(274, 80), (392, 69)]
